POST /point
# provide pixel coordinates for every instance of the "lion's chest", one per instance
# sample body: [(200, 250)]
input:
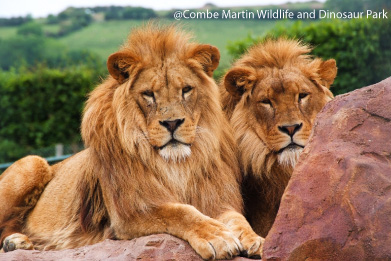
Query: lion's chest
[(176, 182), (185, 186)]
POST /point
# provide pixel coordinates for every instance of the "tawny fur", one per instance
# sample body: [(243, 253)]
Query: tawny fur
[(121, 186), (261, 92), (34, 174)]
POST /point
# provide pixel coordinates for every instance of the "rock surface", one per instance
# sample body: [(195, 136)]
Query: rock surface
[(154, 247), (337, 205)]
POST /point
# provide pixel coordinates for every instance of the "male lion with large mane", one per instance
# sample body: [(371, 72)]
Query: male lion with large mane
[(271, 96), (160, 158)]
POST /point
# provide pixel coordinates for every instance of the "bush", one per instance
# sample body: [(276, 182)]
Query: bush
[(15, 21), (128, 13), (21, 50), (31, 28), (138, 13), (362, 48), (357, 5), (41, 108)]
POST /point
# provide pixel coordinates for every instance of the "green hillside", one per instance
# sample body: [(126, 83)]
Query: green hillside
[(104, 38)]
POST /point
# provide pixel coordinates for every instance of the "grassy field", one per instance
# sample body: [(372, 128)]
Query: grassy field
[(7, 31), (104, 38)]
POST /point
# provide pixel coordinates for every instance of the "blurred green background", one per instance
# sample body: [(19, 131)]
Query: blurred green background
[(48, 65)]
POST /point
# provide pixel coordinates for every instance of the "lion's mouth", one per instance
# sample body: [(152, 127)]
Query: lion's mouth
[(291, 146), (173, 143), (175, 150)]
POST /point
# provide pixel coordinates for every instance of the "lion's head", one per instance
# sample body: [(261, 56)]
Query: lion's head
[(273, 95), (161, 83)]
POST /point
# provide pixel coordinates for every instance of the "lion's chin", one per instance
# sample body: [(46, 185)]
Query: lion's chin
[(289, 156), (175, 152)]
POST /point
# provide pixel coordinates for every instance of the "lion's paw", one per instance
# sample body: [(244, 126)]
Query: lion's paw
[(252, 244), (212, 240), (17, 241)]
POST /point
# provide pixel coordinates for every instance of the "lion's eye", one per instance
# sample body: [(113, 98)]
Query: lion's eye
[(186, 90), (302, 96), (266, 101), (149, 96)]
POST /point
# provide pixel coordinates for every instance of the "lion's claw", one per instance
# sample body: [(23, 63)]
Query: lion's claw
[(212, 240)]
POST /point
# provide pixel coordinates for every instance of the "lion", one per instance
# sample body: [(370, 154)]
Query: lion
[(271, 96), (160, 158)]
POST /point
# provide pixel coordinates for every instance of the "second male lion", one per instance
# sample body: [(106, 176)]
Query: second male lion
[(271, 96), (159, 159)]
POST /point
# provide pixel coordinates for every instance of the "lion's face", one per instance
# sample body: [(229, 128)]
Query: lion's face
[(277, 101), (169, 93), (168, 101), (283, 106)]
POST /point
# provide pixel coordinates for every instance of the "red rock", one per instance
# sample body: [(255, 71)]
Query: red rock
[(337, 205), (154, 247)]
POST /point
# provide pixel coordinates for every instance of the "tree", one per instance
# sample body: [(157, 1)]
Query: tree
[(345, 5), (357, 5), (31, 28)]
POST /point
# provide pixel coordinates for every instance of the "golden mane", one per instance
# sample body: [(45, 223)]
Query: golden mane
[(153, 43), (271, 53)]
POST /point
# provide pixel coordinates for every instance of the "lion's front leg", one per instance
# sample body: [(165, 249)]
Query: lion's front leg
[(237, 223), (210, 238)]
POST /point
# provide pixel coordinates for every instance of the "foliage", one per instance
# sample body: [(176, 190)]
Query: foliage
[(239, 47), (29, 49), (41, 107), (15, 21), (21, 50), (357, 5), (138, 13), (31, 28), (52, 19), (345, 5), (126, 13), (362, 48), (70, 20)]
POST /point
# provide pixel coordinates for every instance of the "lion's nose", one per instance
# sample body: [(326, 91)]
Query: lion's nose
[(172, 125), (290, 129)]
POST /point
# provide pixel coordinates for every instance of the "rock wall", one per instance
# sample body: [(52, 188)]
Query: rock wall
[(337, 205)]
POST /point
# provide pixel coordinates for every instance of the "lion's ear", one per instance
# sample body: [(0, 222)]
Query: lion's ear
[(328, 72), (120, 65), (206, 55), (238, 80)]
